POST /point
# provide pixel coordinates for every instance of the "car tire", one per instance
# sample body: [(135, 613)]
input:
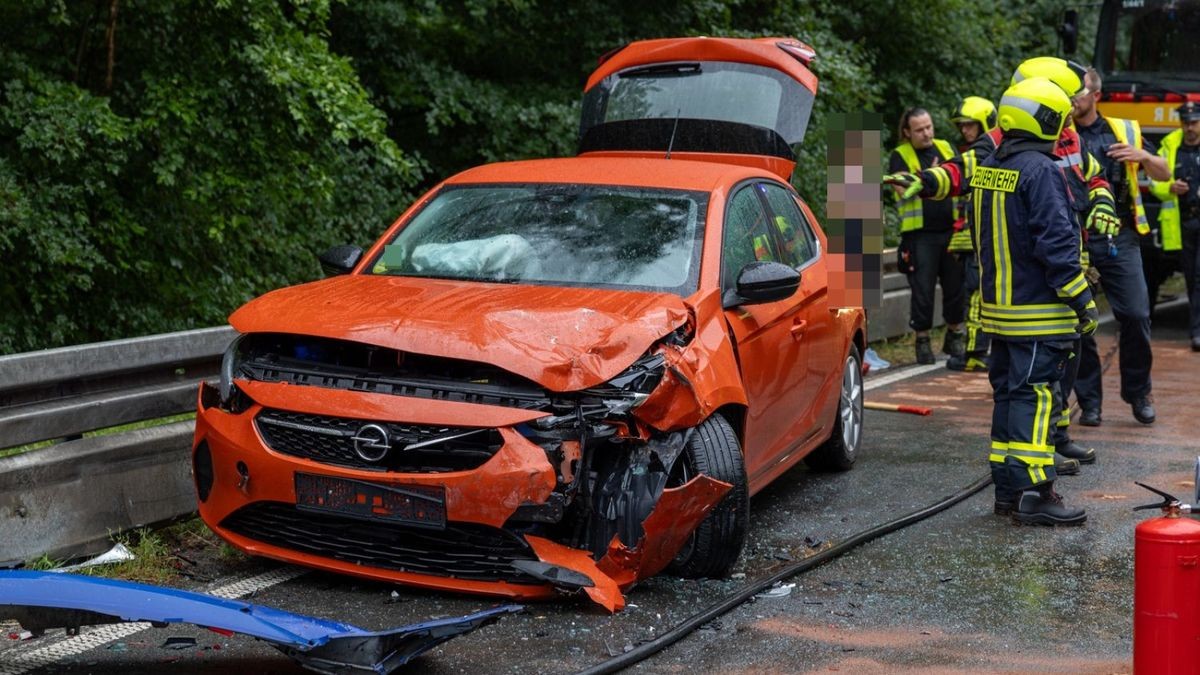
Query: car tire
[(841, 450), (714, 547)]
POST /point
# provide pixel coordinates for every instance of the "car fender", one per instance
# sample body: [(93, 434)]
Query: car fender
[(702, 376)]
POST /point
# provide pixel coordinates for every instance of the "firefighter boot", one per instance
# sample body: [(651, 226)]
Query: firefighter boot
[(1073, 450), (924, 351), (1041, 505), (955, 342), (1065, 466), (1006, 496), (970, 362)]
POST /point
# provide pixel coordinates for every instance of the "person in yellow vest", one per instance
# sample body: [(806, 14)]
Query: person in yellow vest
[(926, 226), (974, 117), (1121, 149), (1179, 219)]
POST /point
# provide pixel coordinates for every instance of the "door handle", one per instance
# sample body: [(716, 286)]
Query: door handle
[(798, 328)]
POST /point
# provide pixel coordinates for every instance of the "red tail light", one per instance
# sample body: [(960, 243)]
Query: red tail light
[(1120, 97), (1173, 98)]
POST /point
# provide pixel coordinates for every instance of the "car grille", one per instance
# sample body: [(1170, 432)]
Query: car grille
[(461, 551), (330, 440)]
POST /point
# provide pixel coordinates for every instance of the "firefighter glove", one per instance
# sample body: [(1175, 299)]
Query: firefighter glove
[(910, 185), (1089, 319), (1102, 219)]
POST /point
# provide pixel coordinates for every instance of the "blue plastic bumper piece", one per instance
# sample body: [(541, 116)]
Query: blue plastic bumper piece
[(41, 600)]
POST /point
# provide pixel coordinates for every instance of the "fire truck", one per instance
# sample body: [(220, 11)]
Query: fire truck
[(1148, 54)]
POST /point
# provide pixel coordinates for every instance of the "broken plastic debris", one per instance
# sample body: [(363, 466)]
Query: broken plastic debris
[(39, 600), (20, 635), (116, 554), (179, 642), (777, 591)]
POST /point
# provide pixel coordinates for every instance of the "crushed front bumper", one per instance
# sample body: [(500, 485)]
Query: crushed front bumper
[(447, 530)]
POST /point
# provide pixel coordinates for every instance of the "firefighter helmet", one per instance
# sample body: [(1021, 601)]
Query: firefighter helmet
[(1068, 75), (1036, 107), (976, 109)]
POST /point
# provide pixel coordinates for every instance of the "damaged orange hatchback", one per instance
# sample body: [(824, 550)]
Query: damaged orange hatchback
[(555, 375)]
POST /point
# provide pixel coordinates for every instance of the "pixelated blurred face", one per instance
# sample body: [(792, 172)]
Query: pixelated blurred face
[(920, 131), (970, 131), (1191, 132)]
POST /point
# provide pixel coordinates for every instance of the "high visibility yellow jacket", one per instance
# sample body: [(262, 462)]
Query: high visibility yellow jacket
[(911, 212), (1168, 215), (1130, 133)]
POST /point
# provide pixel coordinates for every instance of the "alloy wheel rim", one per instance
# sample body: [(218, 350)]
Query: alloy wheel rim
[(851, 407)]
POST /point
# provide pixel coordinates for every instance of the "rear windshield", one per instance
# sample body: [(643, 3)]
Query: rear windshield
[(554, 234), (708, 90)]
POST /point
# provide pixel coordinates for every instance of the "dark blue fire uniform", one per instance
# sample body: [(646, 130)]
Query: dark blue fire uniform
[(1033, 289)]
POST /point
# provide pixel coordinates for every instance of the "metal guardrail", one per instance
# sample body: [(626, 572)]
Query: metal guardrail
[(67, 498), (70, 497)]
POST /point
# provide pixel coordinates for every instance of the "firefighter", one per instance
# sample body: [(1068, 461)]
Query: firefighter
[(1088, 193), (975, 116), (1121, 149), (925, 230), (1035, 299), (1179, 219)]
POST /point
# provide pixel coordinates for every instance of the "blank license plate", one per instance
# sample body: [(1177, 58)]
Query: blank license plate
[(419, 505)]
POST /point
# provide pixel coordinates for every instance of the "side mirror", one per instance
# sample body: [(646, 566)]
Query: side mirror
[(1068, 32), (340, 259), (762, 282)]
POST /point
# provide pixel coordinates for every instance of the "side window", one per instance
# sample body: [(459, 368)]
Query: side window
[(795, 236), (746, 237)]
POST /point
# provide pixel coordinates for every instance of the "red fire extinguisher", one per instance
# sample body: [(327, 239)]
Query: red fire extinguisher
[(1166, 590)]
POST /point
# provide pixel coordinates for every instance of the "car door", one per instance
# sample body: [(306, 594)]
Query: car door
[(818, 374), (768, 337)]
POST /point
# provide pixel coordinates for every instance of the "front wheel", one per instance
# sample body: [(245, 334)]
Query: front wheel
[(840, 451), (713, 548)]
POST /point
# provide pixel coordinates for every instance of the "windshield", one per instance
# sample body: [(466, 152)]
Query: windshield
[(709, 90), (555, 234), (1156, 37)]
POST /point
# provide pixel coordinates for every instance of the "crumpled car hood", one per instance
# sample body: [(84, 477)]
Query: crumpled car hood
[(562, 338)]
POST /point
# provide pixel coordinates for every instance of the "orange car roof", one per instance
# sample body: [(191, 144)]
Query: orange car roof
[(636, 171), (761, 51)]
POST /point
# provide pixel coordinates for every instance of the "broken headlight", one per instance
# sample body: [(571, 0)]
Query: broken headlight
[(230, 398), (617, 396)]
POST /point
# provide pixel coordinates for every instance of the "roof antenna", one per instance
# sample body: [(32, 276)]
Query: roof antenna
[(671, 143)]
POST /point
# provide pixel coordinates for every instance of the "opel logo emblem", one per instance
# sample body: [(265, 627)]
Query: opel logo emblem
[(371, 442)]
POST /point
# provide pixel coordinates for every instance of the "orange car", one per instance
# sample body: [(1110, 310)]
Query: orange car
[(562, 374)]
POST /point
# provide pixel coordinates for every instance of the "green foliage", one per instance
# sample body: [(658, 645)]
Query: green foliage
[(226, 143)]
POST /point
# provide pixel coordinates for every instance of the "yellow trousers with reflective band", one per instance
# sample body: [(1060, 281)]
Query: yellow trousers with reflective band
[(1027, 406)]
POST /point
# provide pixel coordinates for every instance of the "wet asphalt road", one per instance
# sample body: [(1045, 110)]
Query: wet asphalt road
[(961, 591)]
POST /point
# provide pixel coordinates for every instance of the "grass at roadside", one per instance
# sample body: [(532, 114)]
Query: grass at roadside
[(184, 550)]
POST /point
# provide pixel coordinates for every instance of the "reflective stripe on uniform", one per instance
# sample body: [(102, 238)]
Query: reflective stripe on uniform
[(1074, 288), (999, 451), (1028, 312)]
